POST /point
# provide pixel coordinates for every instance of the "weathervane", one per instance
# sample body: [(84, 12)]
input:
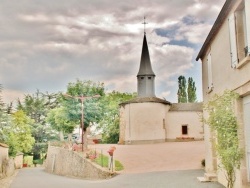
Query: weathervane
[(144, 23)]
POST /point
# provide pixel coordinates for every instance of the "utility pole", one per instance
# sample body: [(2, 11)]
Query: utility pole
[(82, 98)]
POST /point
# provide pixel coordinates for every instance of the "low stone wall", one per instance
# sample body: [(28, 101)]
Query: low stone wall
[(8, 168), (19, 161), (69, 163)]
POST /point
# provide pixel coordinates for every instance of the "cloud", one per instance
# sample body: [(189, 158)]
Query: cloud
[(46, 44)]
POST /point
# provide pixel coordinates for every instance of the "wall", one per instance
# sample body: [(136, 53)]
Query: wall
[(225, 77), (19, 161), (69, 163), (175, 120), (3, 157), (143, 122)]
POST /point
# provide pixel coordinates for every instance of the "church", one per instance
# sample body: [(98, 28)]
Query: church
[(149, 119)]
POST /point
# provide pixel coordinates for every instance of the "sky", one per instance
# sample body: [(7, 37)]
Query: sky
[(46, 44)]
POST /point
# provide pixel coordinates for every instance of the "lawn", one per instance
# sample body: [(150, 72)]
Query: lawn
[(103, 161)]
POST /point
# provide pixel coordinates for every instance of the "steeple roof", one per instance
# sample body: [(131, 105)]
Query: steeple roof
[(145, 65)]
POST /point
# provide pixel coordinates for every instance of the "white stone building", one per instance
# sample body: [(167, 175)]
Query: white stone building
[(225, 65), (148, 119)]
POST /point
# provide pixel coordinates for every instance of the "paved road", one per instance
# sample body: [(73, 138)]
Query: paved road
[(38, 178)]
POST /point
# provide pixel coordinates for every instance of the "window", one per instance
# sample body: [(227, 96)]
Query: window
[(233, 45), (184, 129), (239, 33), (149, 78), (142, 78)]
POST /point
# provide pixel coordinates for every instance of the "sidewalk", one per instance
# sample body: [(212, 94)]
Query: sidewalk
[(166, 156)]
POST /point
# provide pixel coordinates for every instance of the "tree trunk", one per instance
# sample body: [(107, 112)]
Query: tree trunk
[(85, 141), (61, 136), (70, 137)]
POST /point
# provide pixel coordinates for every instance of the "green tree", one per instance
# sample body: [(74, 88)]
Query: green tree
[(191, 90), (92, 108), (109, 124), (59, 121), (19, 134), (223, 122), (36, 106), (182, 93)]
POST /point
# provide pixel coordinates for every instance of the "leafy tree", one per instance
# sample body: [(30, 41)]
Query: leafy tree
[(109, 124), (223, 122), (92, 109), (5, 119), (59, 121), (36, 106), (186, 92), (182, 93), (19, 134), (191, 90)]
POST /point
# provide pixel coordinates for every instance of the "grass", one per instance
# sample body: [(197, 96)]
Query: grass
[(103, 161)]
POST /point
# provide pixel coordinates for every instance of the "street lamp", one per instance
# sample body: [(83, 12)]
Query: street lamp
[(82, 98)]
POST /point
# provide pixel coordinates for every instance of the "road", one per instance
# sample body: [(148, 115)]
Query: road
[(170, 164), (38, 178)]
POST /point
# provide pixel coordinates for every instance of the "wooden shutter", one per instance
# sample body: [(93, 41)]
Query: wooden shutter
[(233, 45), (209, 72)]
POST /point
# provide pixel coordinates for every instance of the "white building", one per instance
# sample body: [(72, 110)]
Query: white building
[(148, 119), (225, 65)]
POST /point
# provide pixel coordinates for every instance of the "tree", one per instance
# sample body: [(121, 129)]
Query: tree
[(59, 121), (191, 90), (182, 94), (19, 134), (5, 119), (36, 106), (109, 124), (223, 122), (92, 108), (186, 93)]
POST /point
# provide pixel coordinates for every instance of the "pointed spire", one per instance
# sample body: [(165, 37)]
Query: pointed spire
[(145, 65)]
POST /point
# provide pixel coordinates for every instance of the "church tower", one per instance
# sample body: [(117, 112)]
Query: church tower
[(145, 76)]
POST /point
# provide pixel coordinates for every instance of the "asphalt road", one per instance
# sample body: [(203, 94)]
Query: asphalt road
[(38, 178)]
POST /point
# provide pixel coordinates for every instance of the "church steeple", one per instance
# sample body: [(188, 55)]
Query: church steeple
[(145, 76)]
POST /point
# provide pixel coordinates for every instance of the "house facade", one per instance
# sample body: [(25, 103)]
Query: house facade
[(225, 57)]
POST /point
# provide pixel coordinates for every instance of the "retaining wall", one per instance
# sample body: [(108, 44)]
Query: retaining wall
[(70, 163)]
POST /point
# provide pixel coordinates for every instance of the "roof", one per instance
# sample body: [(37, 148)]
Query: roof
[(216, 27), (145, 65), (197, 107), (145, 100), (4, 145)]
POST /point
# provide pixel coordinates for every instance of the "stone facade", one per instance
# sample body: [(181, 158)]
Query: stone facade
[(66, 162)]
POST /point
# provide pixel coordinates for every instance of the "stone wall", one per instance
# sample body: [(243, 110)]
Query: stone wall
[(19, 161), (7, 165), (70, 163), (8, 168)]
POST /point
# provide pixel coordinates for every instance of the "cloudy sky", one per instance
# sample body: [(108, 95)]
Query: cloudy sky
[(46, 44)]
